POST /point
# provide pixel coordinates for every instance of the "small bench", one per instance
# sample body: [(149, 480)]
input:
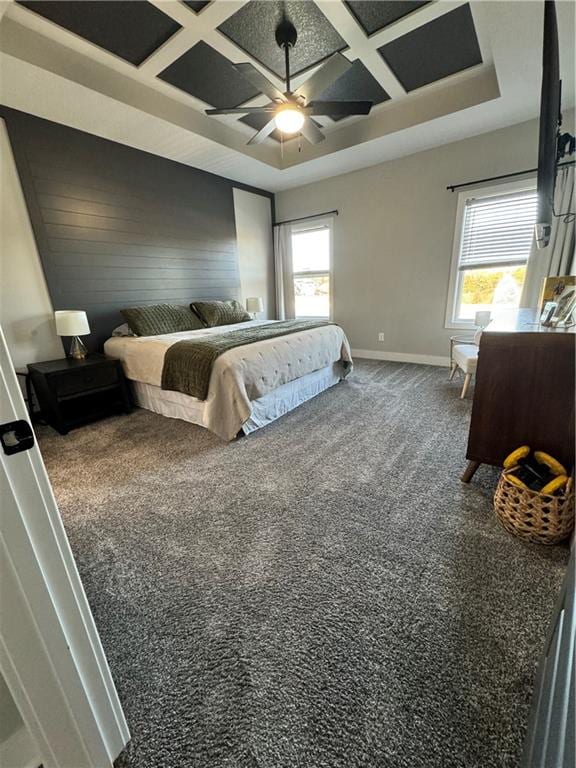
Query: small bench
[(465, 358)]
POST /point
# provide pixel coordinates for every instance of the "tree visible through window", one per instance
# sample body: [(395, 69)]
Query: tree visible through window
[(311, 271), (494, 240)]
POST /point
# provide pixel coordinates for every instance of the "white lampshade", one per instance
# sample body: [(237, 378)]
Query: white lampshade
[(71, 322), (254, 304), (482, 318)]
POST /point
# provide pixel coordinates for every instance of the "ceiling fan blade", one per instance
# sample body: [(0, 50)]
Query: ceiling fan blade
[(339, 108), (259, 81), (334, 68), (263, 133), (242, 111), (311, 132)]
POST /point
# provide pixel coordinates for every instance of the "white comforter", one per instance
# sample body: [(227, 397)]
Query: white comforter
[(239, 375)]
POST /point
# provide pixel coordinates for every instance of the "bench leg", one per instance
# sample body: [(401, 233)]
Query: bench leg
[(453, 371), (467, 380)]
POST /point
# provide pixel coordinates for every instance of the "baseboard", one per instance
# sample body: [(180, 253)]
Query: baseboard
[(402, 357), (19, 751)]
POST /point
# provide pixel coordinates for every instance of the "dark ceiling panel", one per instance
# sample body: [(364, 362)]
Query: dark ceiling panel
[(373, 15), (252, 29), (440, 48), (356, 84), (131, 30), (197, 5), (209, 76)]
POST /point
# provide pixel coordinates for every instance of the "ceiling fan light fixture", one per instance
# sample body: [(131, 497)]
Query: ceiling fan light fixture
[(289, 119)]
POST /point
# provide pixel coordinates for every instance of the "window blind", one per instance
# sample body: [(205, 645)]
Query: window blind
[(497, 231)]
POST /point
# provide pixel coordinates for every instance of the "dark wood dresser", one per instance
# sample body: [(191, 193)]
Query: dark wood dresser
[(72, 392), (524, 392)]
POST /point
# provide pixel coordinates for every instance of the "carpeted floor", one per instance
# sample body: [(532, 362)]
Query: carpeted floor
[(322, 594)]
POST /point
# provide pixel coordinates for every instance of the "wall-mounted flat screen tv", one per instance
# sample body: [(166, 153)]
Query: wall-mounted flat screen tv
[(551, 145)]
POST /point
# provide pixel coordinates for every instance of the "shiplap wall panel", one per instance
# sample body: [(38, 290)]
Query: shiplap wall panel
[(117, 227)]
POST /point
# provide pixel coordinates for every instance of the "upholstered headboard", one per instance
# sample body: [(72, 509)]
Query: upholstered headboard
[(119, 227)]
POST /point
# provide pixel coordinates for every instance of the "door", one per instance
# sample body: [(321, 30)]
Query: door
[(551, 737), (50, 652)]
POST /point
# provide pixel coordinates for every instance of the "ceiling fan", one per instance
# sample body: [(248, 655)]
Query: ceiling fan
[(290, 112)]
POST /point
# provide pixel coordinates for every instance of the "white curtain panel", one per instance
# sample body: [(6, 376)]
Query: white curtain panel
[(558, 257), (283, 271)]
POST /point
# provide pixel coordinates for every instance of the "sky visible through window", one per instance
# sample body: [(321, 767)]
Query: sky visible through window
[(311, 251), (311, 256)]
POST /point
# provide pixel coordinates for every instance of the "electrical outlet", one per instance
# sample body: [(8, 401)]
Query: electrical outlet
[(380, 337)]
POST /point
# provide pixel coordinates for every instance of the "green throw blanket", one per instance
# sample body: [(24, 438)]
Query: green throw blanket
[(188, 364)]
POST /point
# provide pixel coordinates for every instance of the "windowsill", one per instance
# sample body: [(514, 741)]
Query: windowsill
[(461, 325)]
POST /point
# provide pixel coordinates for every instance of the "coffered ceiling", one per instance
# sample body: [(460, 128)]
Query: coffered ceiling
[(426, 66)]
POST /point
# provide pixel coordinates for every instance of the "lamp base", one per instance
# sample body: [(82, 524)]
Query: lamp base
[(77, 349)]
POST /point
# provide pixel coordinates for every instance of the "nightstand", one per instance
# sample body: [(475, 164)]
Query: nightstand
[(72, 392)]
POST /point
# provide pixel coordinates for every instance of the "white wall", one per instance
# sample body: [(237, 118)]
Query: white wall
[(253, 214), (25, 309), (393, 238)]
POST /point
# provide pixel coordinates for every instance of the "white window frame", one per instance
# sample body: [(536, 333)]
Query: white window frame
[(456, 275), (309, 226)]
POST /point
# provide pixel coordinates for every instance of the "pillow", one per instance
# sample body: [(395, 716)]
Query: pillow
[(214, 313), (122, 330), (157, 319)]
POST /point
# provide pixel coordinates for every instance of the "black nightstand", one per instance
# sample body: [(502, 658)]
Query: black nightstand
[(72, 392)]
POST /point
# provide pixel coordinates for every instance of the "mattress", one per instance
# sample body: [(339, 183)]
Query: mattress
[(240, 377)]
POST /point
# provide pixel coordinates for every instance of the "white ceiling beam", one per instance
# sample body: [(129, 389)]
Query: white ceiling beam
[(211, 16), (203, 26), (481, 17), (416, 19), (194, 28), (360, 47), (171, 50)]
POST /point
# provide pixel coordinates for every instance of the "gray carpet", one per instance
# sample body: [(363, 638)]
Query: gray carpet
[(322, 594)]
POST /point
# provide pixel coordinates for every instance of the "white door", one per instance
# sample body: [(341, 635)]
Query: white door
[(50, 652)]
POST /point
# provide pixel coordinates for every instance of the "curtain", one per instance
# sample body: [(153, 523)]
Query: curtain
[(558, 257), (283, 270)]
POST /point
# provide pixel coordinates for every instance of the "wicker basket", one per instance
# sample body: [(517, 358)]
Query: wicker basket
[(534, 516)]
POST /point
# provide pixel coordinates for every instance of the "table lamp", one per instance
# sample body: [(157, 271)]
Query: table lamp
[(73, 322), (254, 305)]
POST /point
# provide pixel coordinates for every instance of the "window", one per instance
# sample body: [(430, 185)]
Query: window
[(311, 265), (491, 248)]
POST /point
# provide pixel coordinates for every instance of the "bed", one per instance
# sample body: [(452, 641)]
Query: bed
[(249, 385)]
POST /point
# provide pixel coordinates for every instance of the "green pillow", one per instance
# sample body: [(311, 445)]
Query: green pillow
[(156, 319), (214, 313)]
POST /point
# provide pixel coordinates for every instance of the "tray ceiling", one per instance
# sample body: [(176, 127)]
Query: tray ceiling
[(138, 31), (418, 62)]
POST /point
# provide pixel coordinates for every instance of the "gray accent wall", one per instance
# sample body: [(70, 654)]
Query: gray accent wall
[(117, 227)]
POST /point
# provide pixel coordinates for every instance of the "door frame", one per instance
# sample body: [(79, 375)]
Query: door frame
[(50, 652)]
